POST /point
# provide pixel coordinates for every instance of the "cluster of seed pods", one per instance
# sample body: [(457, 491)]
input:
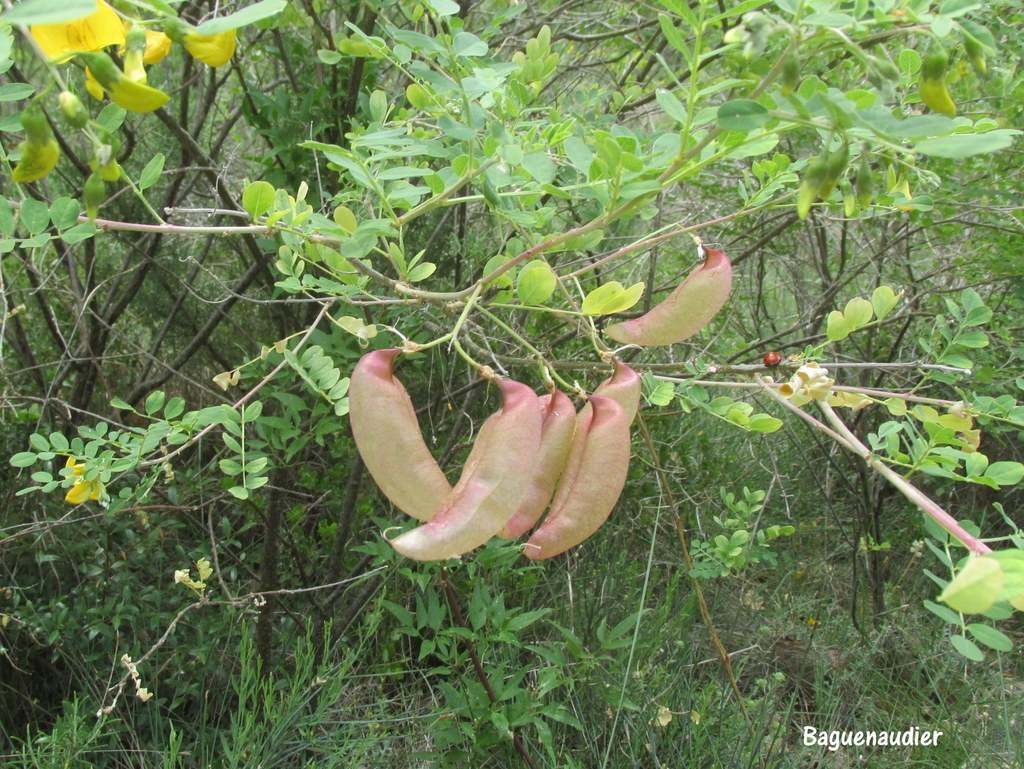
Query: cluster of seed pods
[(533, 454)]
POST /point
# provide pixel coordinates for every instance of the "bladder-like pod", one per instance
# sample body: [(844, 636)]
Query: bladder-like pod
[(499, 468), (623, 387), (588, 492), (389, 440), (685, 311), (558, 425)]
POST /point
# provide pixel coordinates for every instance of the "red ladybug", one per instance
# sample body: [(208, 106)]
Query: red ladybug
[(772, 359)]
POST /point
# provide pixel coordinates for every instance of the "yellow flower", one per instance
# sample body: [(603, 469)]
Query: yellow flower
[(82, 489), (158, 45), (133, 96), (89, 33), (39, 151), (136, 97), (215, 50), (133, 67), (37, 160), (92, 85), (134, 55)]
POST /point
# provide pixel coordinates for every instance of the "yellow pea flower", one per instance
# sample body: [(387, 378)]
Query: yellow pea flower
[(37, 160), (82, 489), (133, 96), (40, 151), (158, 45), (89, 33), (136, 97), (215, 50), (134, 56), (92, 85), (133, 67)]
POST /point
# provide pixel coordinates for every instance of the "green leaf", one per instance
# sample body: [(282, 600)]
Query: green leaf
[(959, 146), (15, 91), (345, 219), (540, 166), (174, 408), (1005, 473), (671, 105), (241, 18), (328, 56), (967, 648), (992, 638), (503, 281), (976, 587), (978, 316), (443, 7), (611, 298), (151, 173), (524, 620), (239, 492), (154, 402), (112, 117), (35, 215), (858, 312), (358, 48), (883, 299), (64, 213), (662, 394), (742, 115), (763, 423), (468, 44), (536, 282), (48, 12), (942, 612), (418, 96), (258, 198), (837, 328), (230, 467), (78, 233), (972, 339), (24, 459), (421, 271)]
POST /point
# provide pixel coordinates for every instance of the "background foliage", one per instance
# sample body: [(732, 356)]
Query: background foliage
[(196, 366)]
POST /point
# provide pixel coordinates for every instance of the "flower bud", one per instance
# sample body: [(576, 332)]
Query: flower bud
[(73, 110), (94, 193)]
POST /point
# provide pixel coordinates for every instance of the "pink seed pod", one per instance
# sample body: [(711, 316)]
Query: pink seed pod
[(499, 468), (685, 311), (623, 387), (594, 487), (558, 426), (389, 440)]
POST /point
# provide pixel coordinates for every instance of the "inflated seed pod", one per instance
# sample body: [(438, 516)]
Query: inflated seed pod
[(593, 488), (976, 52), (557, 427), (864, 185), (791, 72), (388, 437), (810, 185), (932, 83), (623, 387), (685, 311), (835, 165), (499, 468)]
